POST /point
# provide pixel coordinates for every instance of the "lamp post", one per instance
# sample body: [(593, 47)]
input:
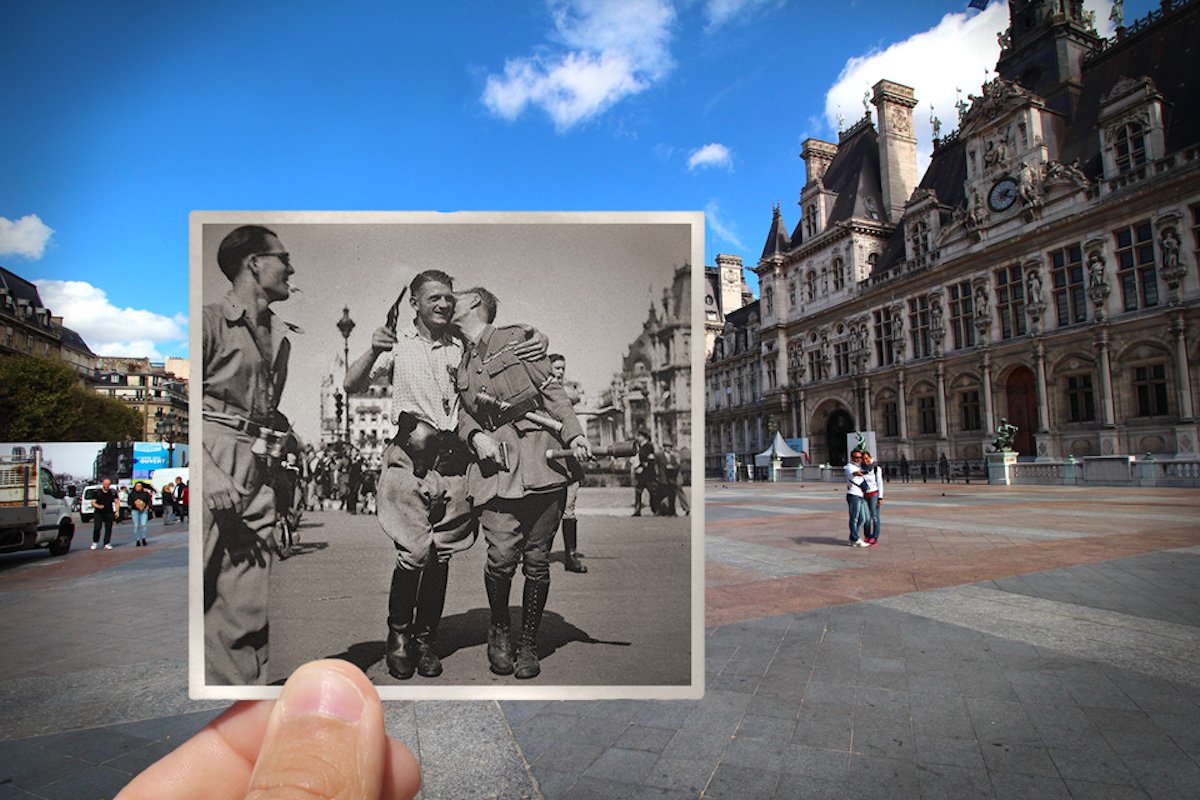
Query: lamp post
[(167, 428), (346, 325)]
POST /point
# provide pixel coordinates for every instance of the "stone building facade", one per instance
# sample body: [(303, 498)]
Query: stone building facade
[(27, 327), (161, 396), (1042, 270)]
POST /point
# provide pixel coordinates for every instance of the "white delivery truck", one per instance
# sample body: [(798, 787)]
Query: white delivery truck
[(34, 510)]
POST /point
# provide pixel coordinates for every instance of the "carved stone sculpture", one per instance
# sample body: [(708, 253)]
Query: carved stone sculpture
[(1006, 433)]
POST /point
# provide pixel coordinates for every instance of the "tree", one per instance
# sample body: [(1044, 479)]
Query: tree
[(41, 400)]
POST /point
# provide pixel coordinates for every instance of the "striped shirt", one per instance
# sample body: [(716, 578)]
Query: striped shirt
[(422, 374)]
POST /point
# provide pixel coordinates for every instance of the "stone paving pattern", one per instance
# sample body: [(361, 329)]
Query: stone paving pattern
[(1032, 642)]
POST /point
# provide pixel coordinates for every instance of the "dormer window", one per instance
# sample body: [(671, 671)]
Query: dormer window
[(1130, 146)]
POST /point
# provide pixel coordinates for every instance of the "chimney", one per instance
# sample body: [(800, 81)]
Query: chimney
[(817, 156), (897, 146)]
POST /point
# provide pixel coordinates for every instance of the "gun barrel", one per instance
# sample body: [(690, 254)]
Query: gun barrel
[(618, 450)]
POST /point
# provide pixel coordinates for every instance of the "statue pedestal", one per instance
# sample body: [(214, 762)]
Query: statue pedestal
[(998, 466), (1110, 442), (1045, 445), (1185, 440)]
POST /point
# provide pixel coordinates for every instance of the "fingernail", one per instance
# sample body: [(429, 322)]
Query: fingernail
[(322, 692)]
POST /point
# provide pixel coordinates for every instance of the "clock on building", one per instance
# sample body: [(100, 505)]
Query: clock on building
[(1003, 194)]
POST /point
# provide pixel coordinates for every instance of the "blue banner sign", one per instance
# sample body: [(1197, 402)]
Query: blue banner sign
[(147, 457)]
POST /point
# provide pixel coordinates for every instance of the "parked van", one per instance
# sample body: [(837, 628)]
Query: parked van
[(34, 509)]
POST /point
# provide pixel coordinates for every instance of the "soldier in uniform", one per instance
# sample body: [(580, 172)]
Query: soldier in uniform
[(422, 502), (511, 412), (571, 562), (245, 358)]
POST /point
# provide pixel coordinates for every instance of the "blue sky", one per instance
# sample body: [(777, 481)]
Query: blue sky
[(122, 117)]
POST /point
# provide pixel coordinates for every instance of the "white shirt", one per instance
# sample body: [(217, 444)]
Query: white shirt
[(873, 482), (854, 484), (423, 377)]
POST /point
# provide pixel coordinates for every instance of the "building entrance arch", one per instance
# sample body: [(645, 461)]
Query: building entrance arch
[(1021, 394), (840, 423)]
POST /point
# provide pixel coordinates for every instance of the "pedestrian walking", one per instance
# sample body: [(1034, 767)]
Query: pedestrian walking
[(106, 504), (855, 504), (167, 494), (515, 413), (904, 473), (645, 474), (245, 356), (139, 504), (181, 499), (873, 497), (944, 468), (570, 526), (672, 490)]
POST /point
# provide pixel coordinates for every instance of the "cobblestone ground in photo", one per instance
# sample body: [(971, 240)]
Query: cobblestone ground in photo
[(1000, 642)]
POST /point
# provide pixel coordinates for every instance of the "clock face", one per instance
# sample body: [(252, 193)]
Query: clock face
[(1003, 194)]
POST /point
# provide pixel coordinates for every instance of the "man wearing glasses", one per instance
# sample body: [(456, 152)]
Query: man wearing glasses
[(244, 368), (855, 500)]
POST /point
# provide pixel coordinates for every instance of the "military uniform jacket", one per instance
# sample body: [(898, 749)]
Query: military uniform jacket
[(490, 367)]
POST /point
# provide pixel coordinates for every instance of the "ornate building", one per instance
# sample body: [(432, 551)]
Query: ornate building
[(160, 396), (653, 390), (1041, 270), (29, 328), (735, 413)]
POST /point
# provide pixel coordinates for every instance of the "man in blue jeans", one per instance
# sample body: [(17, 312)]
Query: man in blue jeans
[(855, 480)]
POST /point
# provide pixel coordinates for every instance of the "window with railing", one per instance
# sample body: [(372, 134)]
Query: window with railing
[(1070, 299), (962, 319), (969, 407), (918, 327), (884, 352), (1136, 268), (1010, 301), (927, 414), (1150, 389), (1081, 400), (816, 366), (891, 419), (841, 357)]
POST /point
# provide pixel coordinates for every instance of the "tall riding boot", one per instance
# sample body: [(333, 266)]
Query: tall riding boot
[(570, 539), (402, 603), (499, 649), (532, 606), (431, 600)]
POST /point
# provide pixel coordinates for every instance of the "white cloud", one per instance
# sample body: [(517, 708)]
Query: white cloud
[(722, 229), (720, 12), (26, 237), (105, 327), (968, 41), (613, 49), (711, 155)]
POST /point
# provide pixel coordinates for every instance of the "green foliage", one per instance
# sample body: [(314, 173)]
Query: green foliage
[(42, 399)]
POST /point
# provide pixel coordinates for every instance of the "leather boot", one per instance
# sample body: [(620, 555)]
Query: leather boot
[(532, 606), (570, 539), (499, 650), (431, 600), (402, 601)]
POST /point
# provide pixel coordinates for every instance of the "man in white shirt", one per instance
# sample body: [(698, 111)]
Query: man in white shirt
[(855, 480), (872, 497)]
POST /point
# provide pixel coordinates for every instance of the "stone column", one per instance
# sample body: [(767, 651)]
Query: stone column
[(901, 405), (989, 417), (941, 400), (1042, 437), (868, 424), (1186, 431), (1110, 441)]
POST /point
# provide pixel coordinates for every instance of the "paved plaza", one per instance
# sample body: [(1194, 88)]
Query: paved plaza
[(1028, 642)]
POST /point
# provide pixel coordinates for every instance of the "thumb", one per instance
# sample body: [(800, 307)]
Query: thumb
[(325, 738)]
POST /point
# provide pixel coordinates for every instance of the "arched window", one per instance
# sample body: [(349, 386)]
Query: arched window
[(839, 275), (1131, 146)]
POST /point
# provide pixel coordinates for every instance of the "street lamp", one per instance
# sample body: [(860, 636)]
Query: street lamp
[(167, 429), (346, 325)]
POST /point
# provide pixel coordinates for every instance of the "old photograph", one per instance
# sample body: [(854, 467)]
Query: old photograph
[(455, 450)]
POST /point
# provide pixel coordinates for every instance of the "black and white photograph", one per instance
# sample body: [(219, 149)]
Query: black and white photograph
[(455, 450)]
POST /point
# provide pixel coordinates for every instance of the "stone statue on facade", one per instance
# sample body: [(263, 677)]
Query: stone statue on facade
[(1033, 288), (1169, 242), (1117, 15), (1006, 434), (1028, 191), (1096, 277)]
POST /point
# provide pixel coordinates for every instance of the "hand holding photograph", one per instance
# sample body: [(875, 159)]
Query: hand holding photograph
[(371, 488)]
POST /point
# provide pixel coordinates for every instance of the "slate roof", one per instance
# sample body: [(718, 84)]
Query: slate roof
[(777, 239), (19, 288)]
